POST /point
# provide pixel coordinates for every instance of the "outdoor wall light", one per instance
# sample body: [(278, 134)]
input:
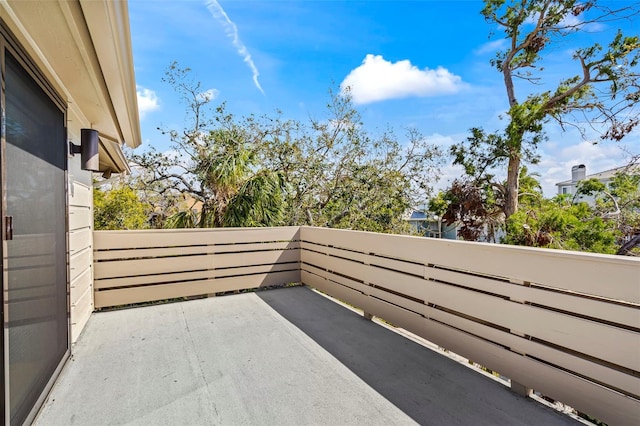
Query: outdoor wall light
[(88, 150)]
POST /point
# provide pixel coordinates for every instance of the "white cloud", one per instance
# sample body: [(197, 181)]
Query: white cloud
[(208, 95), (378, 79), (232, 32), (342, 125), (448, 172), (570, 21), (445, 141), (491, 47), (148, 101), (573, 23), (558, 155)]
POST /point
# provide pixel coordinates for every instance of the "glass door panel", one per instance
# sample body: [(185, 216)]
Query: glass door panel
[(36, 333)]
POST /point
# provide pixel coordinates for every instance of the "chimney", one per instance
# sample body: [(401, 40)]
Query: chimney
[(578, 173)]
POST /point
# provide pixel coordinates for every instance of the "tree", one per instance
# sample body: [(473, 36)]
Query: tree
[(476, 204), (214, 163), (598, 218), (119, 208), (267, 170), (603, 90), (340, 175), (618, 203), (469, 206), (558, 223)]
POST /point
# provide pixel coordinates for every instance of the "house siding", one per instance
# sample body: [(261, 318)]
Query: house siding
[(80, 234)]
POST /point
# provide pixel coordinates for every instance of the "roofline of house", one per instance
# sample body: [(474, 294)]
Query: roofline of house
[(593, 175), (115, 55)]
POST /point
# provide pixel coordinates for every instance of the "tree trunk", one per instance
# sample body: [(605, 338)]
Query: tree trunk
[(513, 185), (203, 216), (513, 169), (626, 248), (309, 217)]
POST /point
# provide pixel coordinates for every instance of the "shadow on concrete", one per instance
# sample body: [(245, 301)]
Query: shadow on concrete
[(428, 387)]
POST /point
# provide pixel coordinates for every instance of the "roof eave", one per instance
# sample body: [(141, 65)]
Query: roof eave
[(108, 24)]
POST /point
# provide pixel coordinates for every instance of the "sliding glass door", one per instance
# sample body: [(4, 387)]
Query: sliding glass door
[(35, 301)]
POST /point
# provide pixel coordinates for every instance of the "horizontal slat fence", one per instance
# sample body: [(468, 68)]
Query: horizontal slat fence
[(562, 323), (149, 265)]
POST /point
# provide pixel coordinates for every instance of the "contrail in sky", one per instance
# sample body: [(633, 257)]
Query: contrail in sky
[(232, 31)]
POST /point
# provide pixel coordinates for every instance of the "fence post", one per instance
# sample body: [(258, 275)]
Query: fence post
[(516, 387), (367, 315), (520, 389)]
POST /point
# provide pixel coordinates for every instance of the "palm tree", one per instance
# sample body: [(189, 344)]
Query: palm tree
[(236, 192)]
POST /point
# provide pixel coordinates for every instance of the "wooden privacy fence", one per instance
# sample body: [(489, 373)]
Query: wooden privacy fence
[(564, 324), (148, 265)]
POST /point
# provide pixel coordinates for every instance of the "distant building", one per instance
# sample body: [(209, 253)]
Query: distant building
[(430, 225), (579, 173)]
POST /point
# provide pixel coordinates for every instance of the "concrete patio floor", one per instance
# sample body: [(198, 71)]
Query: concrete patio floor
[(279, 357)]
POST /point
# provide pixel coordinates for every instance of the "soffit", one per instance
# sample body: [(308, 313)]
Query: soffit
[(108, 24), (63, 42)]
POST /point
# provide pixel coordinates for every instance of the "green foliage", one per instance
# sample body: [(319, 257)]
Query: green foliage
[(267, 171), (619, 204), (258, 202), (214, 163), (559, 224), (603, 89), (603, 225), (438, 204), (119, 208), (340, 175), (480, 152), (590, 187), (183, 219)]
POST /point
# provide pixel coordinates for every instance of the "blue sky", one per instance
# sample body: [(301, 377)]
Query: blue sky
[(421, 64)]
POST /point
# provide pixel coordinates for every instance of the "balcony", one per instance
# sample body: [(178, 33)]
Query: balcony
[(563, 324)]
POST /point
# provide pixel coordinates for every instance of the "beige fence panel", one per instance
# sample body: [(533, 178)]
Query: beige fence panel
[(625, 314), (80, 262), (121, 240), (178, 276), (608, 276), (116, 254), (562, 323), (150, 265), (140, 266), (124, 296)]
